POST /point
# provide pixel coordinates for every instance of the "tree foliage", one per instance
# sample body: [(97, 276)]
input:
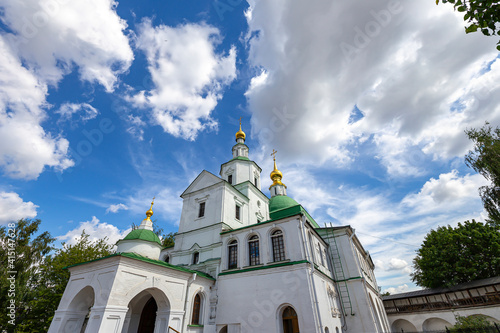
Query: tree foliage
[(450, 256), (485, 159), (41, 278), (21, 263), (482, 15), (470, 323)]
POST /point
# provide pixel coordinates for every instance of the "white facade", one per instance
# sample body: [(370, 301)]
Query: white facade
[(241, 263)]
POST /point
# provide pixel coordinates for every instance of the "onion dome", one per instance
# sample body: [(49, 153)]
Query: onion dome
[(276, 175), (240, 134)]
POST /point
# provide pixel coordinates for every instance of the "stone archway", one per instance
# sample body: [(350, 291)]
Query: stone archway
[(148, 312), (403, 325), (78, 311), (435, 324)]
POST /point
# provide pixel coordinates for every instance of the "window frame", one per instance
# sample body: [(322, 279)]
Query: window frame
[(232, 254), (278, 245), (196, 258), (230, 179), (197, 301), (201, 209), (253, 250), (237, 212)]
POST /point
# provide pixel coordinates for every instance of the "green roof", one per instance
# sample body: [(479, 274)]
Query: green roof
[(151, 261), (279, 202), (143, 234), (243, 158)]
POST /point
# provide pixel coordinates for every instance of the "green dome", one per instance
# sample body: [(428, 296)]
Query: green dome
[(279, 202), (143, 234)]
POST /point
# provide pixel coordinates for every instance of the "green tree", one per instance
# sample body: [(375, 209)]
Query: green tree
[(168, 240), (470, 323), (483, 15), (22, 252), (449, 256), (485, 159), (55, 276)]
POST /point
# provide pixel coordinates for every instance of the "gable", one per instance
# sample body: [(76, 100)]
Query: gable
[(204, 180)]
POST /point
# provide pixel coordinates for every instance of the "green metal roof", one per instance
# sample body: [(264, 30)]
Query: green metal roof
[(143, 234), (243, 158), (279, 202), (151, 261)]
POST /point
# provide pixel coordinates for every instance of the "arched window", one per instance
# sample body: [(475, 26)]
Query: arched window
[(196, 310), (290, 321), (167, 258), (232, 255), (278, 246), (327, 330), (253, 250)]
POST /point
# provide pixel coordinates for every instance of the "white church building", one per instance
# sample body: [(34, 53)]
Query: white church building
[(241, 263)]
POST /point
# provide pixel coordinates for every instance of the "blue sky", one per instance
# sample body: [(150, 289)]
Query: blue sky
[(104, 105)]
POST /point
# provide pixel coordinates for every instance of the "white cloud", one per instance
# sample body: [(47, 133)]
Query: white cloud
[(53, 36), (96, 230), (25, 148), (397, 290), (116, 208), (82, 111), (187, 74), (13, 208), (417, 78)]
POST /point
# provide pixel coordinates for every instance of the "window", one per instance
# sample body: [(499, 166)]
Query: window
[(290, 321), (167, 258), (230, 179), (237, 212), (196, 310), (278, 246), (255, 181), (253, 250), (201, 211), (196, 258), (232, 255)]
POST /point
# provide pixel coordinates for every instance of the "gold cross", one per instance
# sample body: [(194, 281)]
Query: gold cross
[(273, 154), (152, 202), (240, 120)]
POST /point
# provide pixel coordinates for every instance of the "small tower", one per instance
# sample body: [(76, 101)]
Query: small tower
[(142, 241), (279, 199), (240, 168)]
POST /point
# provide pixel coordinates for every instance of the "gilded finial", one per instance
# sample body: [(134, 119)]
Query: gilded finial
[(240, 134), (149, 213), (276, 175)]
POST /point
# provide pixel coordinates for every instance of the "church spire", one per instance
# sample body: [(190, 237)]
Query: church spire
[(277, 187), (147, 223), (240, 135)]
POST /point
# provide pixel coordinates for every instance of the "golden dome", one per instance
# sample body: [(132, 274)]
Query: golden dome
[(276, 175), (240, 134), (149, 213)]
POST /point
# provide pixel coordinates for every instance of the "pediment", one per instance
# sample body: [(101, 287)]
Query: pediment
[(205, 179)]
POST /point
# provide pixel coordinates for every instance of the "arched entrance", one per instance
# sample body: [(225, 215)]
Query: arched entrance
[(149, 311), (290, 320), (148, 317), (79, 308)]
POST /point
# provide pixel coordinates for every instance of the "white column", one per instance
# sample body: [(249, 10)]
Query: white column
[(162, 320), (176, 319), (107, 319), (67, 321)]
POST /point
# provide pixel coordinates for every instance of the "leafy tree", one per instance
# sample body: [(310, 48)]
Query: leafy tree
[(449, 256), (470, 323), (485, 159), (22, 253), (55, 276), (483, 15), (168, 240)]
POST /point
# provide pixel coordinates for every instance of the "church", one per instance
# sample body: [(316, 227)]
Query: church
[(242, 262)]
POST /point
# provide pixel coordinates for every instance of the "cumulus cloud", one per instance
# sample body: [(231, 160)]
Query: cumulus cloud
[(25, 147), (13, 208), (48, 39), (53, 36), (187, 75), (116, 208), (417, 80), (96, 230), (397, 290)]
